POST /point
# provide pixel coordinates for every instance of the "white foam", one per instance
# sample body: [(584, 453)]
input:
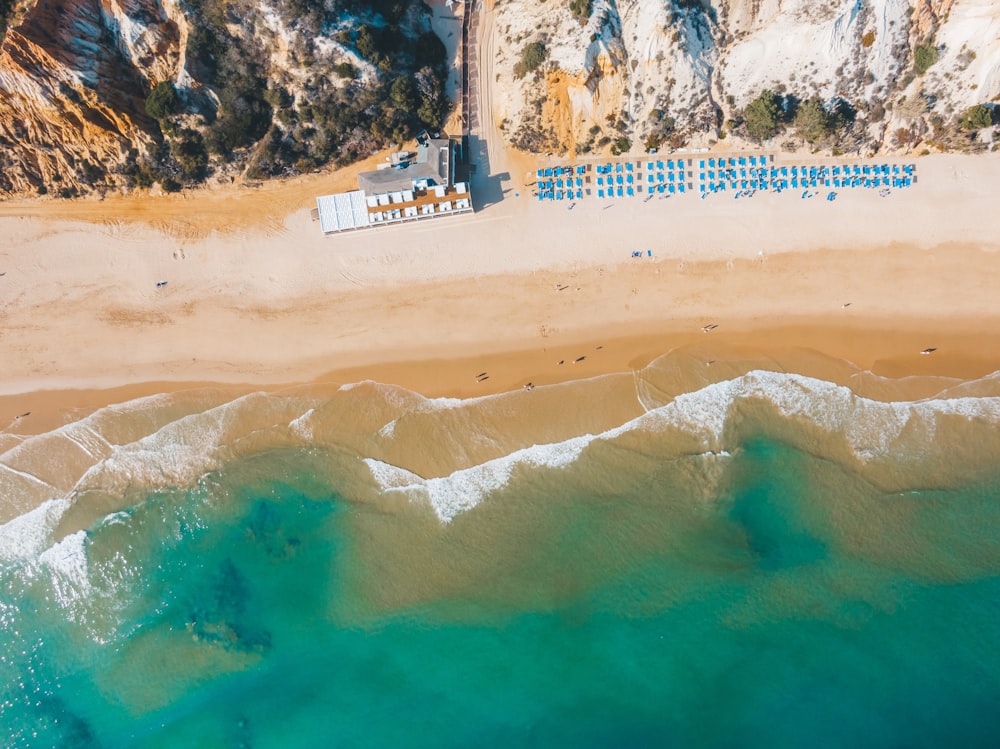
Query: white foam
[(872, 430), (67, 563), (302, 425), (466, 488), (447, 402), (185, 448), (388, 476), (28, 535)]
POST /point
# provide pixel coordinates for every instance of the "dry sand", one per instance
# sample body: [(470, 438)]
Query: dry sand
[(257, 297)]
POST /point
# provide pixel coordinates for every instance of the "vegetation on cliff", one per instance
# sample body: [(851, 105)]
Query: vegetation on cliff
[(273, 89), (272, 121), (6, 11)]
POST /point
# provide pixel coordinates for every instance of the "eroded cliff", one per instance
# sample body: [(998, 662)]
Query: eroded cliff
[(648, 73), (98, 95)]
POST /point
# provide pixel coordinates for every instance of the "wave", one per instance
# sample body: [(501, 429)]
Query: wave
[(451, 455), (894, 444)]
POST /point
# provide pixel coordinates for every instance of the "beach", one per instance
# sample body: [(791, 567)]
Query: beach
[(513, 290)]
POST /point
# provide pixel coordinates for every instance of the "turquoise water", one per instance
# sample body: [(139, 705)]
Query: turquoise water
[(796, 606)]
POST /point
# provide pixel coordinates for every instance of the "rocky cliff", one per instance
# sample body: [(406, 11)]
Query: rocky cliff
[(73, 78), (99, 95), (629, 74)]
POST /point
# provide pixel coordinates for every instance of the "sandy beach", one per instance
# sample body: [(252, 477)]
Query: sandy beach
[(265, 300)]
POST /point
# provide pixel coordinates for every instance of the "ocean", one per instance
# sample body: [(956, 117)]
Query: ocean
[(698, 554)]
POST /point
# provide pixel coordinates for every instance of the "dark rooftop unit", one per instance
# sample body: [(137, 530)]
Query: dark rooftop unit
[(433, 165)]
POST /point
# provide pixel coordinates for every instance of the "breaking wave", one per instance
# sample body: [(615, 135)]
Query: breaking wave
[(449, 455)]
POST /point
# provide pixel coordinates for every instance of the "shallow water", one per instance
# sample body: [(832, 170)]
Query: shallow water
[(796, 567)]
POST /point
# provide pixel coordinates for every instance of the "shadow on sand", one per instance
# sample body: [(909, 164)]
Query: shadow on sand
[(486, 187)]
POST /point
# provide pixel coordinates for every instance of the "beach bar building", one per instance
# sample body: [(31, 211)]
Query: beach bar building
[(409, 187)]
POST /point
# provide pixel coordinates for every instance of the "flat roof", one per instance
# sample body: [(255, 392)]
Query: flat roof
[(433, 163), (343, 211)]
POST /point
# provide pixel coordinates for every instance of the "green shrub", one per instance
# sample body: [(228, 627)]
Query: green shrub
[(191, 153), (813, 122), (345, 70), (532, 56), (975, 117), (279, 98), (621, 145), (169, 184), (163, 101), (924, 56), (763, 116), (430, 51), (403, 94), (244, 116), (433, 99), (581, 9), (145, 177), (6, 11), (91, 172), (379, 45)]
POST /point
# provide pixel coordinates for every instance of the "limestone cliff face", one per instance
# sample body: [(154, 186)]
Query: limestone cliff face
[(74, 75), (648, 72)]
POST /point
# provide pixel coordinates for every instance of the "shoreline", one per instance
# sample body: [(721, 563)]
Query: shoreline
[(511, 290), (836, 354)]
